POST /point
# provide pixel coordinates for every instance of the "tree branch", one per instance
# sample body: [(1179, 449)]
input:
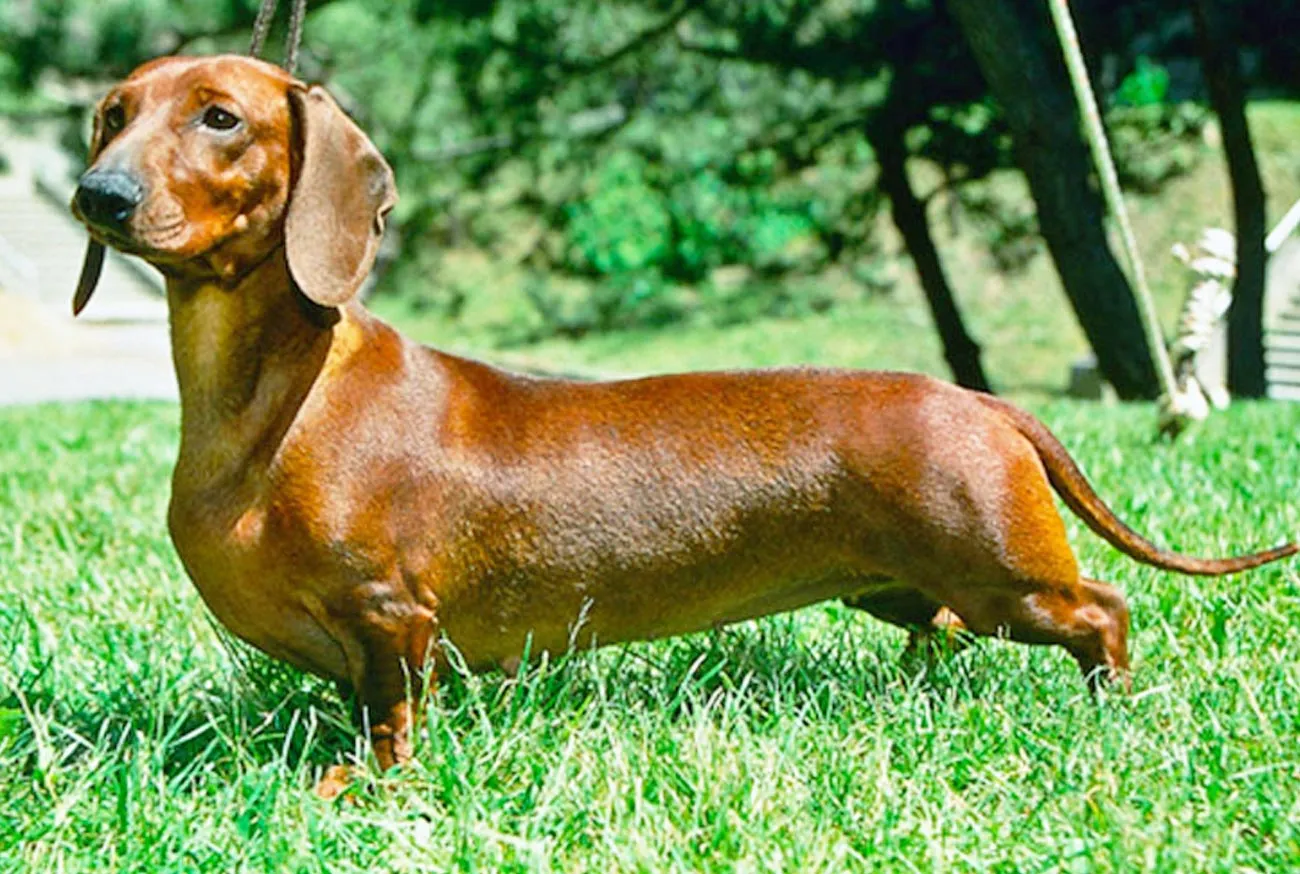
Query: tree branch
[(586, 125), (710, 51), (586, 66)]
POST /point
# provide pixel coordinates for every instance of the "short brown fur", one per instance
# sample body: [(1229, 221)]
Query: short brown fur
[(347, 500)]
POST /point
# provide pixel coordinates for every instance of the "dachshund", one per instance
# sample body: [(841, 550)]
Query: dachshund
[(355, 504)]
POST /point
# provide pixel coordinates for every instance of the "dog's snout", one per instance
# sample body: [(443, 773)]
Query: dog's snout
[(108, 197)]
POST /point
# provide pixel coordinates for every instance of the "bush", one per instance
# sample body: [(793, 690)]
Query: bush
[(624, 300), (1155, 143), (1147, 85), (1152, 140), (622, 226), (638, 235)]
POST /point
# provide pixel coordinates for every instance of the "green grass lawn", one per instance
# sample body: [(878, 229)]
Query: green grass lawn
[(134, 737)]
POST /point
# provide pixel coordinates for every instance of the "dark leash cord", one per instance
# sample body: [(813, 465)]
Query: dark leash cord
[(292, 41)]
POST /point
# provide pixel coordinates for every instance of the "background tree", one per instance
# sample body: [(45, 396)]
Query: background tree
[(1220, 56), (1012, 41), (634, 158), (926, 78)]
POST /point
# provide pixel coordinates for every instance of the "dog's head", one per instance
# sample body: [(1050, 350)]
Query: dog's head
[(204, 166)]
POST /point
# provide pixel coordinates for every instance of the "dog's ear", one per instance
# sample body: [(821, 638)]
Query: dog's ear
[(343, 190), (93, 264)]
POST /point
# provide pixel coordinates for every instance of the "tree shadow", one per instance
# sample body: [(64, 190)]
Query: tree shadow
[(1038, 391)]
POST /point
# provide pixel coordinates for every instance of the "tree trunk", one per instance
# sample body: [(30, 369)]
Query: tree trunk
[(1012, 44), (961, 352), (1246, 377)]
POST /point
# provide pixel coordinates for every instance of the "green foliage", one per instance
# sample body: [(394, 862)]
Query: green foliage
[(1008, 226), (717, 223), (99, 39), (747, 158), (1147, 85), (623, 225), (1155, 143), (621, 153), (622, 300), (1153, 139), (135, 737)]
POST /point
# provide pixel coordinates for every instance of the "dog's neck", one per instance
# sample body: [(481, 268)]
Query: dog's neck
[(246, 355)]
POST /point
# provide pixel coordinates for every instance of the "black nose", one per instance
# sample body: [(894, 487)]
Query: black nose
[(108, 197)]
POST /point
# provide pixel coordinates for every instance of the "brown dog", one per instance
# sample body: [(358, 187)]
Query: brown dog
[(347, 501)]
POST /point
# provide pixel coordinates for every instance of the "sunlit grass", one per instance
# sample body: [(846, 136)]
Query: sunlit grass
[(133, 738)]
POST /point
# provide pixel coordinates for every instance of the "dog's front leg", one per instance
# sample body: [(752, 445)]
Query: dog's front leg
[(392, 683), (392, 659)]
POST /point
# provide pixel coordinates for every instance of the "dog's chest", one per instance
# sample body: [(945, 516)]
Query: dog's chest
[(249, 587)]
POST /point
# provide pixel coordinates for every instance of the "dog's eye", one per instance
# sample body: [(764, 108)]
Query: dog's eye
[(114, 118), (218, 119)]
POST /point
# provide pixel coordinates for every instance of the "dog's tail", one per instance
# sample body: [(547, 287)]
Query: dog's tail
[(1077, 493)]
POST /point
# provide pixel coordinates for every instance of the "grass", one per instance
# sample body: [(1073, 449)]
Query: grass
[(134, 737)]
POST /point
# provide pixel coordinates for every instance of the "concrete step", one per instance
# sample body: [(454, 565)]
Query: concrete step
[(1283, 357), (1282, 341), (1282, 375), (41, 249), (1284, 392), (119, 346)]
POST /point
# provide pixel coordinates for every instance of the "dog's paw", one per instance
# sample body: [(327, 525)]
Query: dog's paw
[(336, 781)]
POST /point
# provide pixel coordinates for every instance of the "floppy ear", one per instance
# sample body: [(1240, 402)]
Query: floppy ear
[(344, 188), (93, 264)]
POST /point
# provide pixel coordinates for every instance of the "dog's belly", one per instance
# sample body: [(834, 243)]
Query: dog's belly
[(617, 548), (496, 621)]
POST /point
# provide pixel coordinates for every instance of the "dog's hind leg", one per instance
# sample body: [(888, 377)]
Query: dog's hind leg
[(1089, 619), (933, 629), (1101, 643)]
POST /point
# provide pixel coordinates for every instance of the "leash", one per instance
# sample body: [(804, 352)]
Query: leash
[(1095, 133), (292, 41)]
